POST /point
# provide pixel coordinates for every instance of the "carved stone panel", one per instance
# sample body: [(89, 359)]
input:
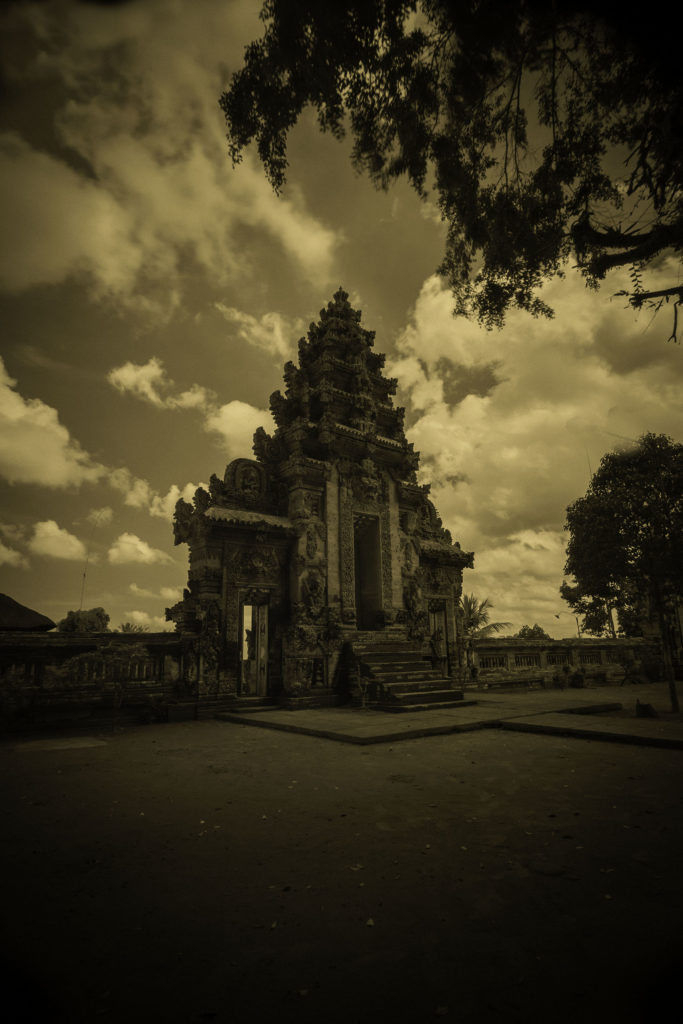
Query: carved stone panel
[(256, 561)]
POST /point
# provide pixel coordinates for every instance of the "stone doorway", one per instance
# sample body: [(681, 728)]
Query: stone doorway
[(254, 650), (367, 565)]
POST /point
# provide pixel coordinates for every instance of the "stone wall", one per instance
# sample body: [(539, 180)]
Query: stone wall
[(49, 676), (559, 662)]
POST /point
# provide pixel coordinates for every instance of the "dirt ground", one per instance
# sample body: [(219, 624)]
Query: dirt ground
[(208, 871)]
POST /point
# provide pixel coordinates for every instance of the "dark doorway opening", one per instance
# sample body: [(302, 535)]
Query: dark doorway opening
[(254, 653), (368, 572)]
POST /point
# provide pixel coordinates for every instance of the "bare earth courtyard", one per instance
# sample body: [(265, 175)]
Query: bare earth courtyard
[(213, 871)]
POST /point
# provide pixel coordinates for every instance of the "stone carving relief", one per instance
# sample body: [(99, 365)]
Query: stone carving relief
[(210, 644), (312, 588), (261, 561), (416, 617), (246, 480), (410, 558), (367, 484), (315, 541)]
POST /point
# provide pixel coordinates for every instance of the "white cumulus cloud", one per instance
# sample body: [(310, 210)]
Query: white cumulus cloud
[(272, 332), (53, 541), (154, 623), (13, 558), (35, 448), (235, 423), (129, 548), (164, 505)]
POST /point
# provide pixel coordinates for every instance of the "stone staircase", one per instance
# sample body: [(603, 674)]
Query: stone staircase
[(398, 678)]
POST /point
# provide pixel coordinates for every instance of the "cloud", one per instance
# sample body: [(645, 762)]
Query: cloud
[(156, 623), (165, 593), (150, 382), (35, 448), (272, 332), (508, 422), (14, 559), (51, 540), (235, 423), (100, 516), (128, 548), (43, 242), (164, 507), (161, 187), (139, 493), (141, 380), (136, 492)]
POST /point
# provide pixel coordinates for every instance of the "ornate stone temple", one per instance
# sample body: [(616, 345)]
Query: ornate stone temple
[(320, 571)]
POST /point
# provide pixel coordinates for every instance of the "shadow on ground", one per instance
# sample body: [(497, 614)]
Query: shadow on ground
[(210, 871)]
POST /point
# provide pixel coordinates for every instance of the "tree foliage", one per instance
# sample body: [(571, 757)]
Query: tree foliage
[(132, 627), (534, 632), (625, 547), (476, 616), (548, 131), (94, 620)]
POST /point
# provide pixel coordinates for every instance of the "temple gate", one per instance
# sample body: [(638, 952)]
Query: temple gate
[(320, 571)]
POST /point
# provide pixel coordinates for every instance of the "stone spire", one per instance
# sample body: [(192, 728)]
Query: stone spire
[(338, 401)]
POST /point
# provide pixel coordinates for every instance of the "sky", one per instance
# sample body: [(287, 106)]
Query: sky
[(150, 295)]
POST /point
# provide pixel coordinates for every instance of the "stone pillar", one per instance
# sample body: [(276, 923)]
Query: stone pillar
[(396, 578), (346, 555), (332, 514)]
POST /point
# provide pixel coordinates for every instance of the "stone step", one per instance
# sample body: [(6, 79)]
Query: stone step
[(387, 647), (406, 671), (416, 685), (445, 705), (250, 705), (398, 659), (423, 696)]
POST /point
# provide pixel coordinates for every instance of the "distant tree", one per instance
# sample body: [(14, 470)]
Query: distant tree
[(534, 632), (132, 627), (95, 620), (440, 90), (596, 618), (626, 538)]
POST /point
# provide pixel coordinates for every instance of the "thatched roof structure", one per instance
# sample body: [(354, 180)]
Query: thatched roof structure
[(17, 617)]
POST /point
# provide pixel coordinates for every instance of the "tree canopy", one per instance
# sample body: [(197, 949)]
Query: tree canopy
[(625, 545), (94, 620), (534, 632), (549, 132)]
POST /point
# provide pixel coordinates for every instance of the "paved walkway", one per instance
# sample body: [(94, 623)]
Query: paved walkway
[(598, 713)]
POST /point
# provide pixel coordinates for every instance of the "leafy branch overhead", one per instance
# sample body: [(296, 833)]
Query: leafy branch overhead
[(550, 132)]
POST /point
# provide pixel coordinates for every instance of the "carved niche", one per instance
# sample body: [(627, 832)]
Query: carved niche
[(246, 483)]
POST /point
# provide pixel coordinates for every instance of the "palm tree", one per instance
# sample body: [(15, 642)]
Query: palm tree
[(475, 618), (475, 622)]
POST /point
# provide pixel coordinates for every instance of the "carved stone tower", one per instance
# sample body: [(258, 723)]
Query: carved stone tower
[(325, 551)]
